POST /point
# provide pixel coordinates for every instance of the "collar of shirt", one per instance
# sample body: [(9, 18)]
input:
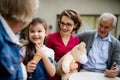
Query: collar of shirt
[(105, 39), (9, 31)]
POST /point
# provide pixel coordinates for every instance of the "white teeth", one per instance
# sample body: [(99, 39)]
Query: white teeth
[(64, 30)]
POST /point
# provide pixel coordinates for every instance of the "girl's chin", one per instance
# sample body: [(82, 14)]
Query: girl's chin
[(36, 42)]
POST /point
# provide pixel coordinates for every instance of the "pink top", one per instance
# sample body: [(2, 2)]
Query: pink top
[(55, 42)]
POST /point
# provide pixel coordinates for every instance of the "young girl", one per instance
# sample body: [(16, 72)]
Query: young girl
[(37, 31)]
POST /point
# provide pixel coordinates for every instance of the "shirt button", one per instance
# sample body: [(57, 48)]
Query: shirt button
[(12, 68)]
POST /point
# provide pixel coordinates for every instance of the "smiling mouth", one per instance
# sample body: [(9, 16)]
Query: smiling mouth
[(36, 38), (65, 30)]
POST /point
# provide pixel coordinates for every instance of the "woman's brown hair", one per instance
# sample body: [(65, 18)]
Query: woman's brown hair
[(73, 15)]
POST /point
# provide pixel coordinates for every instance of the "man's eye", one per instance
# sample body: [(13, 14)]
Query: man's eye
[(101, 25), (106, 27)]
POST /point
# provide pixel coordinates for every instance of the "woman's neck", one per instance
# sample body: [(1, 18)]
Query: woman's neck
[(65, 38), (64, 35)]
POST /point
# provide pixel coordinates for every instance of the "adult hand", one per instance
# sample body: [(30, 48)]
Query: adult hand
[(113, 72), (73, 66)]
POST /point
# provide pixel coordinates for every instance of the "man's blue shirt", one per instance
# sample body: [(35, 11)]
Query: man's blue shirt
[(98, 55)]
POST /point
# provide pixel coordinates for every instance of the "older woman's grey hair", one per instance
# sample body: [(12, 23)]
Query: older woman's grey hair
[(21, 10), (107, 17)]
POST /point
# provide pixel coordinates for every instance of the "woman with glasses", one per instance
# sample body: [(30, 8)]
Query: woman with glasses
[(63, 40)]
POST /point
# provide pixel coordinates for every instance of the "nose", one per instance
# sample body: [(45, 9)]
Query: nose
[(36, 33), (102, 29), (64, 26)]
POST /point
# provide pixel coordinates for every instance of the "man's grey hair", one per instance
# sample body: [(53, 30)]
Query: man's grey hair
[(107, 17)]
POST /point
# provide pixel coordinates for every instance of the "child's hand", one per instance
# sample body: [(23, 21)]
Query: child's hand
[(37, 46), (40, 51), (31, 66)]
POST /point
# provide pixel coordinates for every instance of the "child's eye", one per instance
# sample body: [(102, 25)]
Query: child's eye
[(39, 31), (32, 31)]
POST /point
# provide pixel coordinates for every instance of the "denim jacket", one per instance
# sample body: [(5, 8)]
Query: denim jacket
[(10, 67)]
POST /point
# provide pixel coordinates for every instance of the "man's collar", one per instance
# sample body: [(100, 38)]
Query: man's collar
[(107, 38)]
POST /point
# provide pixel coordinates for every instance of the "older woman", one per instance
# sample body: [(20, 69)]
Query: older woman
[(14, 16)]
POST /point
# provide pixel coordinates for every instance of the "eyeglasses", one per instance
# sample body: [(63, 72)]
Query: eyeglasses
[(66, 24)]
